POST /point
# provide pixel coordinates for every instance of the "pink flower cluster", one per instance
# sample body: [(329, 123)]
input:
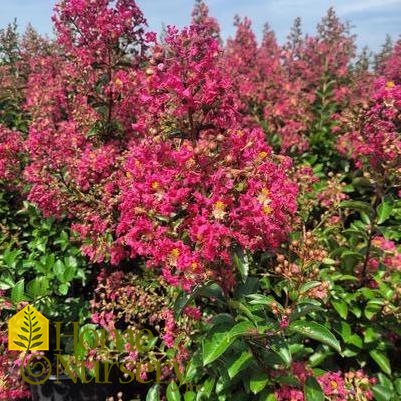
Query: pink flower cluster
[(332, 194), (185, 207), (11, 386), (391, 255), (352, 386), (374, 142), (278, 85), (90, 30), (124, 300), (392, 66), (336, 386), (11, 148), (176, 178)]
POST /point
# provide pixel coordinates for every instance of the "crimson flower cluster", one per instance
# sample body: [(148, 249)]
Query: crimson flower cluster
[(375, 142), (177, 179)]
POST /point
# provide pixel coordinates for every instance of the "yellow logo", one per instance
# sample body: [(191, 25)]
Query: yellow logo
[(28, 330)]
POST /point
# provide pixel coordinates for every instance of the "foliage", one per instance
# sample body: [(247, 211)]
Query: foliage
[(242, 200), (39, 264)]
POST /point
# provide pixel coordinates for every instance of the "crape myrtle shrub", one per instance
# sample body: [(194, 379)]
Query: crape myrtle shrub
[(251, 188)]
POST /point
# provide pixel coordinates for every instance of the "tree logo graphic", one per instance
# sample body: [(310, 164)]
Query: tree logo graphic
[(28, 330)]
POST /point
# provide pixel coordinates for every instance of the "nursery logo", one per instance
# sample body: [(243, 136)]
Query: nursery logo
[(28, 330)]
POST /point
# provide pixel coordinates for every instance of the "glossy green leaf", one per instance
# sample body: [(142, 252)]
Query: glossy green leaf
[(312, 390), (173, 392), (373, 307), (382, 360), (258, 382), (206, 389), (17, 292), (239, 364), (215, 346), (315, 331), (241, 261), (63, 288), (384, 211), (189, 396), (153, 393), (382, 393), (357, 205), (341, 307)]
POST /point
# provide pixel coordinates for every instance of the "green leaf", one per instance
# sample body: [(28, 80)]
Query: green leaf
[(63, 288), (17, 293), (189, 396), (250, 286), (71, 261), (370, 335), (384, 211), (344, 277), (209, 289), (222, 384), (239, 306), (206, 389), (305, 307), (309, 285), (173, 392), (328, 261), (223, 319), (312, 390), (319, 356), (260, 299), (258, 382), (38, 287), (215, 348), (69, 273), (385, 381), (10, 257), (153, 393), (361, 182), (357, 205), (381, 359), (217, 343), (372, 307), (341, 307), (315, 331), (365, 218), (194, 366), (6, 282), (239, 364), (397, 385), (58, 268), (180, 303), (382, 393), (241, 261), (350, 259), (241, 328), (280, 347), (356, 310)]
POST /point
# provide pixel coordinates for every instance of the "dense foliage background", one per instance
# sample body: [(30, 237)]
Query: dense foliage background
[(240, 200)]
